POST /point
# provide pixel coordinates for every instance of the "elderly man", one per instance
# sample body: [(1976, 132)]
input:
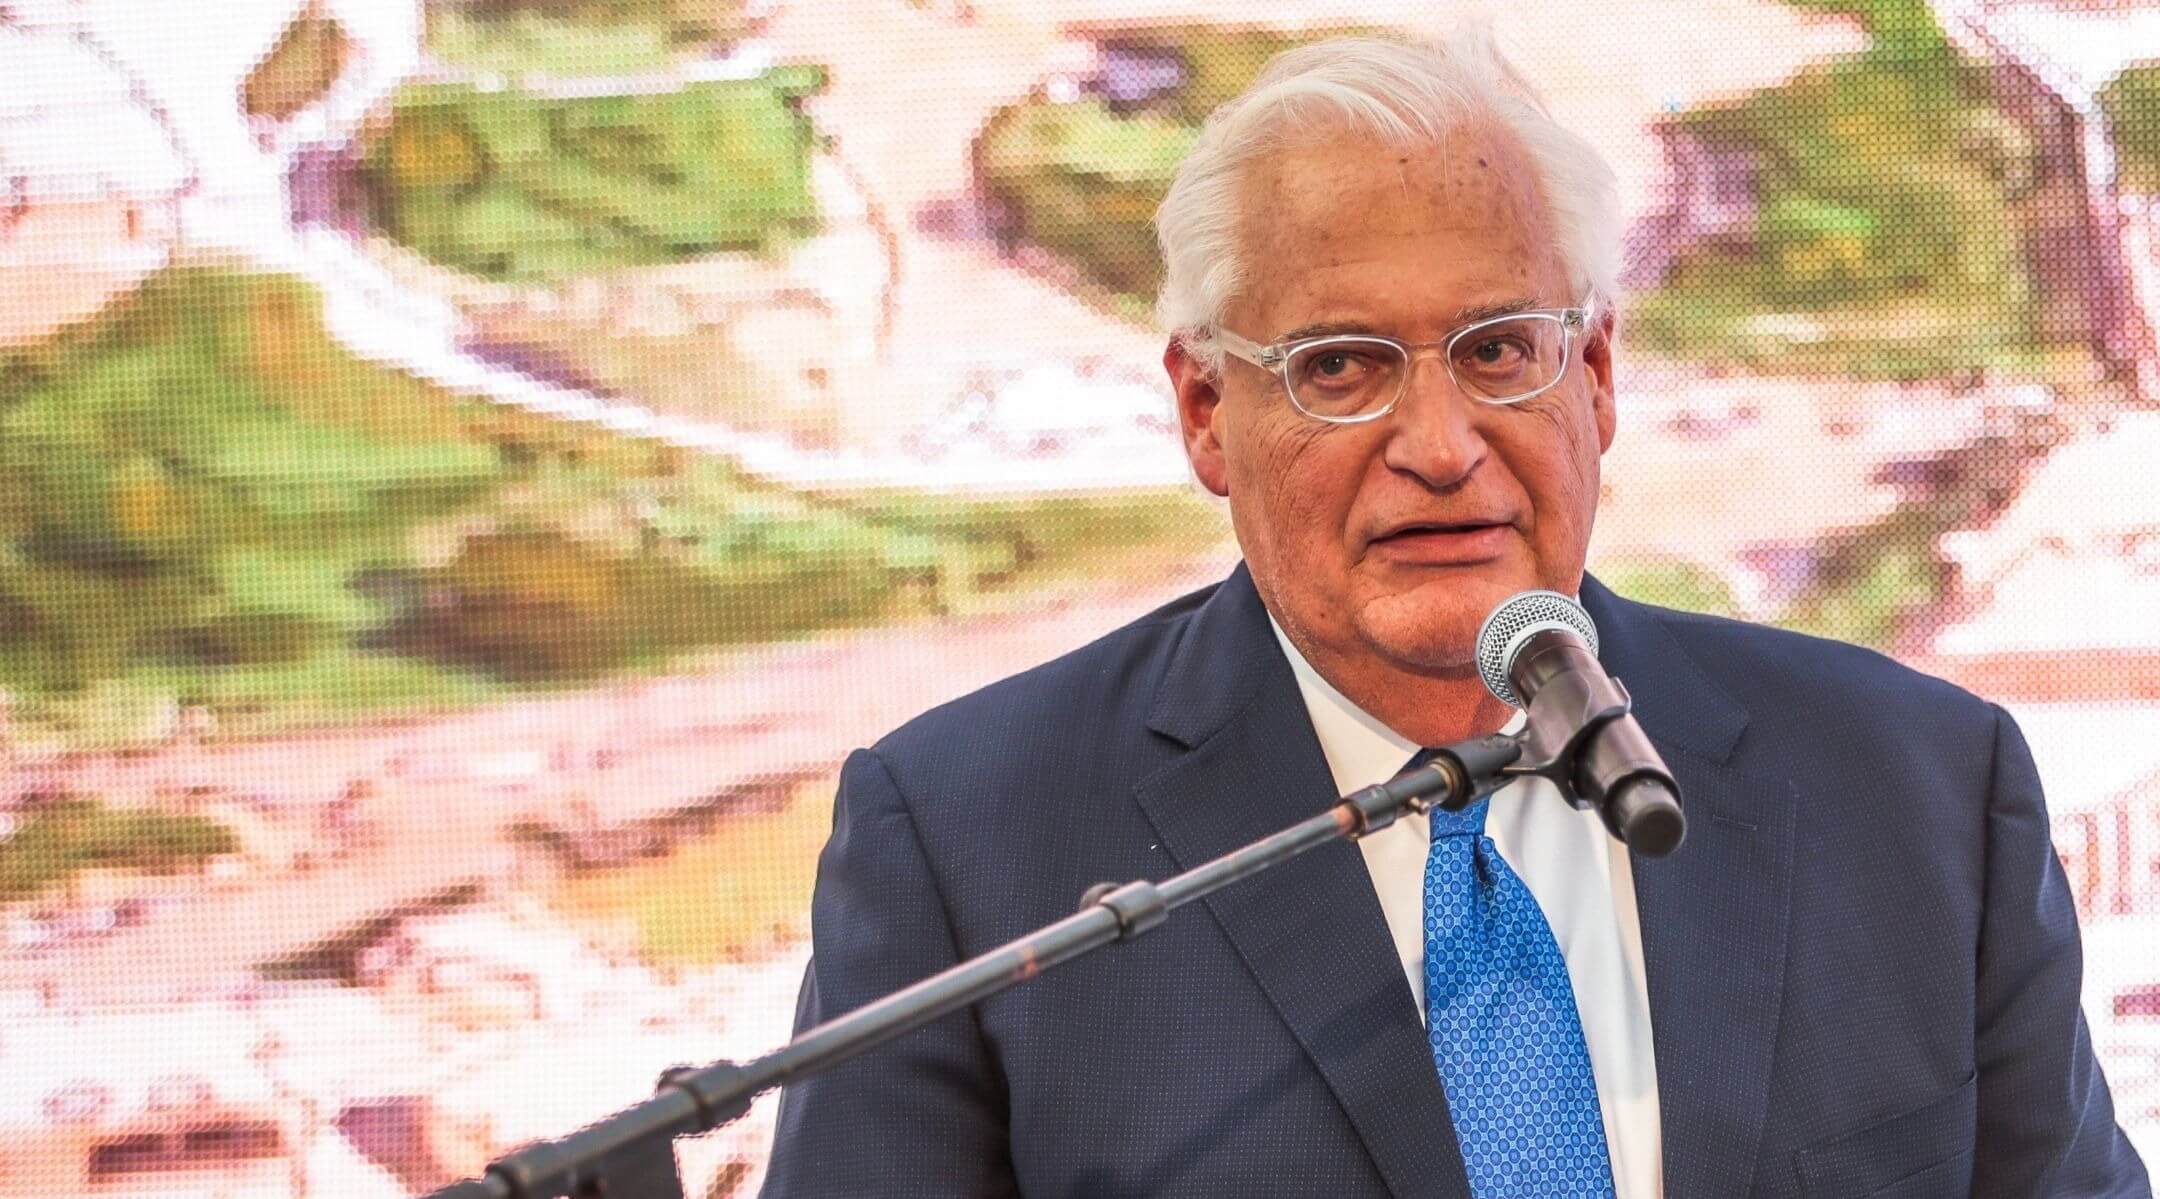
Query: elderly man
[(1390, 286)]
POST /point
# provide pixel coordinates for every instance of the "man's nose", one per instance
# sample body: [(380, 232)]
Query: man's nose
[(1435, 426)]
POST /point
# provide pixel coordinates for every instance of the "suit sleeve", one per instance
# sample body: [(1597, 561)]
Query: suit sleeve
[(923, 1114), (2046, 1123)]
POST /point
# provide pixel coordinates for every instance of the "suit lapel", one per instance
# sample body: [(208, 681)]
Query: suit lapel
[(1714, 915), (1310, 931)]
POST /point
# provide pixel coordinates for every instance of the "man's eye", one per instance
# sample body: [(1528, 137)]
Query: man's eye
[(1335, 368), (1496, 351)]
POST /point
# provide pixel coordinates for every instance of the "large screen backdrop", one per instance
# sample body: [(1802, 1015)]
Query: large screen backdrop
[(470, 471)]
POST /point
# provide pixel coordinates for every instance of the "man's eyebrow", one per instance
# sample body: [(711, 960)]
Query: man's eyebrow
[(1479, 312), (1327, 329), (1465, 315)]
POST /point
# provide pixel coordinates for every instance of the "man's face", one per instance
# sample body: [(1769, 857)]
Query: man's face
[(1397, 536)]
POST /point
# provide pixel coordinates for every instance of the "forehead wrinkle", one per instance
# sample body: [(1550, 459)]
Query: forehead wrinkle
[(1467, 314), (1468, 187)]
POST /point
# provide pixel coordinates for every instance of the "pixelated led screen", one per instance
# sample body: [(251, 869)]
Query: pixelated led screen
[(470, 470)]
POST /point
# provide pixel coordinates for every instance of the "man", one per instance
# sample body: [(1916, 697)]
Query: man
[(1389, 277)]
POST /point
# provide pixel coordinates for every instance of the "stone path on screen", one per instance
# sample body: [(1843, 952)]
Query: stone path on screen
[(445, 788)]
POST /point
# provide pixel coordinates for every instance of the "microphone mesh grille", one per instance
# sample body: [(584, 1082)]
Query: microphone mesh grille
[(1512, 623)]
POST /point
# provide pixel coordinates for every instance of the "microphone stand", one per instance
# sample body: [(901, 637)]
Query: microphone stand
[(632, 1152)]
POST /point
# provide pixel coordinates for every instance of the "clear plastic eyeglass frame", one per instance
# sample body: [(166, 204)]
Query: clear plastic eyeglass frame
[(1276, 357)]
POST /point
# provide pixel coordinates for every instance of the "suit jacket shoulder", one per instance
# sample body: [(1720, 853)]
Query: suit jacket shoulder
[(1761, 665), (1038, 705), (1003, 782), (1803, 707)]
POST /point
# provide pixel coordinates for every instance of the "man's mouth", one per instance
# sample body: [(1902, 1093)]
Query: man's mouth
[(1443, 528), (1441, 543)]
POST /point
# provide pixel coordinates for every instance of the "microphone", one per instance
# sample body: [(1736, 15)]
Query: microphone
[(1538, 651)]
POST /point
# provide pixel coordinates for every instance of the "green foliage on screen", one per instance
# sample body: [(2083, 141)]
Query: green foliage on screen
[(1085, 183), (173, 476), (206, 499), (541, 39), (1668, 583), (2132, 106), (532, 44), (557, 39), (684, 21), (1219, 63), (299, 70), (1884, 19), (1880, 583), (513, 185), (538, 604), (1083, 178), (59, 840), (1874, 580), (1885, 211)]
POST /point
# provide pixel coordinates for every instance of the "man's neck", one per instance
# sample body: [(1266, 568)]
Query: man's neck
[(1436, 708)]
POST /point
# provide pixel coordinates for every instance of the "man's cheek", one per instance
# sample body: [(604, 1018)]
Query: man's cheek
[(1304, 490), (1294, 454)]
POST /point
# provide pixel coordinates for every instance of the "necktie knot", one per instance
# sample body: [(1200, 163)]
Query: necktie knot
[(1470, 822)]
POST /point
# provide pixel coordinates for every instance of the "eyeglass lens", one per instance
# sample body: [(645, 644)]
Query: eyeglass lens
[(1503, 361)]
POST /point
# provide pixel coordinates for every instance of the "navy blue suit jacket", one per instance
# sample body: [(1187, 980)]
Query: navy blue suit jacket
[(1863, 965)]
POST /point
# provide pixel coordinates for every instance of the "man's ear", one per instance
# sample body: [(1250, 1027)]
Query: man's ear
[(1199, 406), (1597, 356)]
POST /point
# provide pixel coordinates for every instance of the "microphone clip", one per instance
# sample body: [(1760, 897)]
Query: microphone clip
[(1560, 724)]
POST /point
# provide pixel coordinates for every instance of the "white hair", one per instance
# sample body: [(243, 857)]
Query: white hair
[(1400, 93)]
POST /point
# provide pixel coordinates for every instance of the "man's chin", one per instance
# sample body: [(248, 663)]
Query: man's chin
[(1434, 627), (1427, 641)]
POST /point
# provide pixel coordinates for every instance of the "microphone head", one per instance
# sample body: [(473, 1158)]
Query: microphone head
[(1514, 622)]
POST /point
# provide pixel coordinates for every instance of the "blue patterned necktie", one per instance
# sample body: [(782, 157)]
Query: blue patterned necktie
[(1503, 1025)]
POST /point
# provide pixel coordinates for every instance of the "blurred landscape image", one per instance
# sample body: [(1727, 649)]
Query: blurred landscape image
[(470, 470)]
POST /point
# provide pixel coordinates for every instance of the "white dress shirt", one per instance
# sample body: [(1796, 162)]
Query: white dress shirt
[(1579, 875)]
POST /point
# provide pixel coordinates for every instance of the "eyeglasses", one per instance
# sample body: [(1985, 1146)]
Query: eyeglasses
[(1348, 378)]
